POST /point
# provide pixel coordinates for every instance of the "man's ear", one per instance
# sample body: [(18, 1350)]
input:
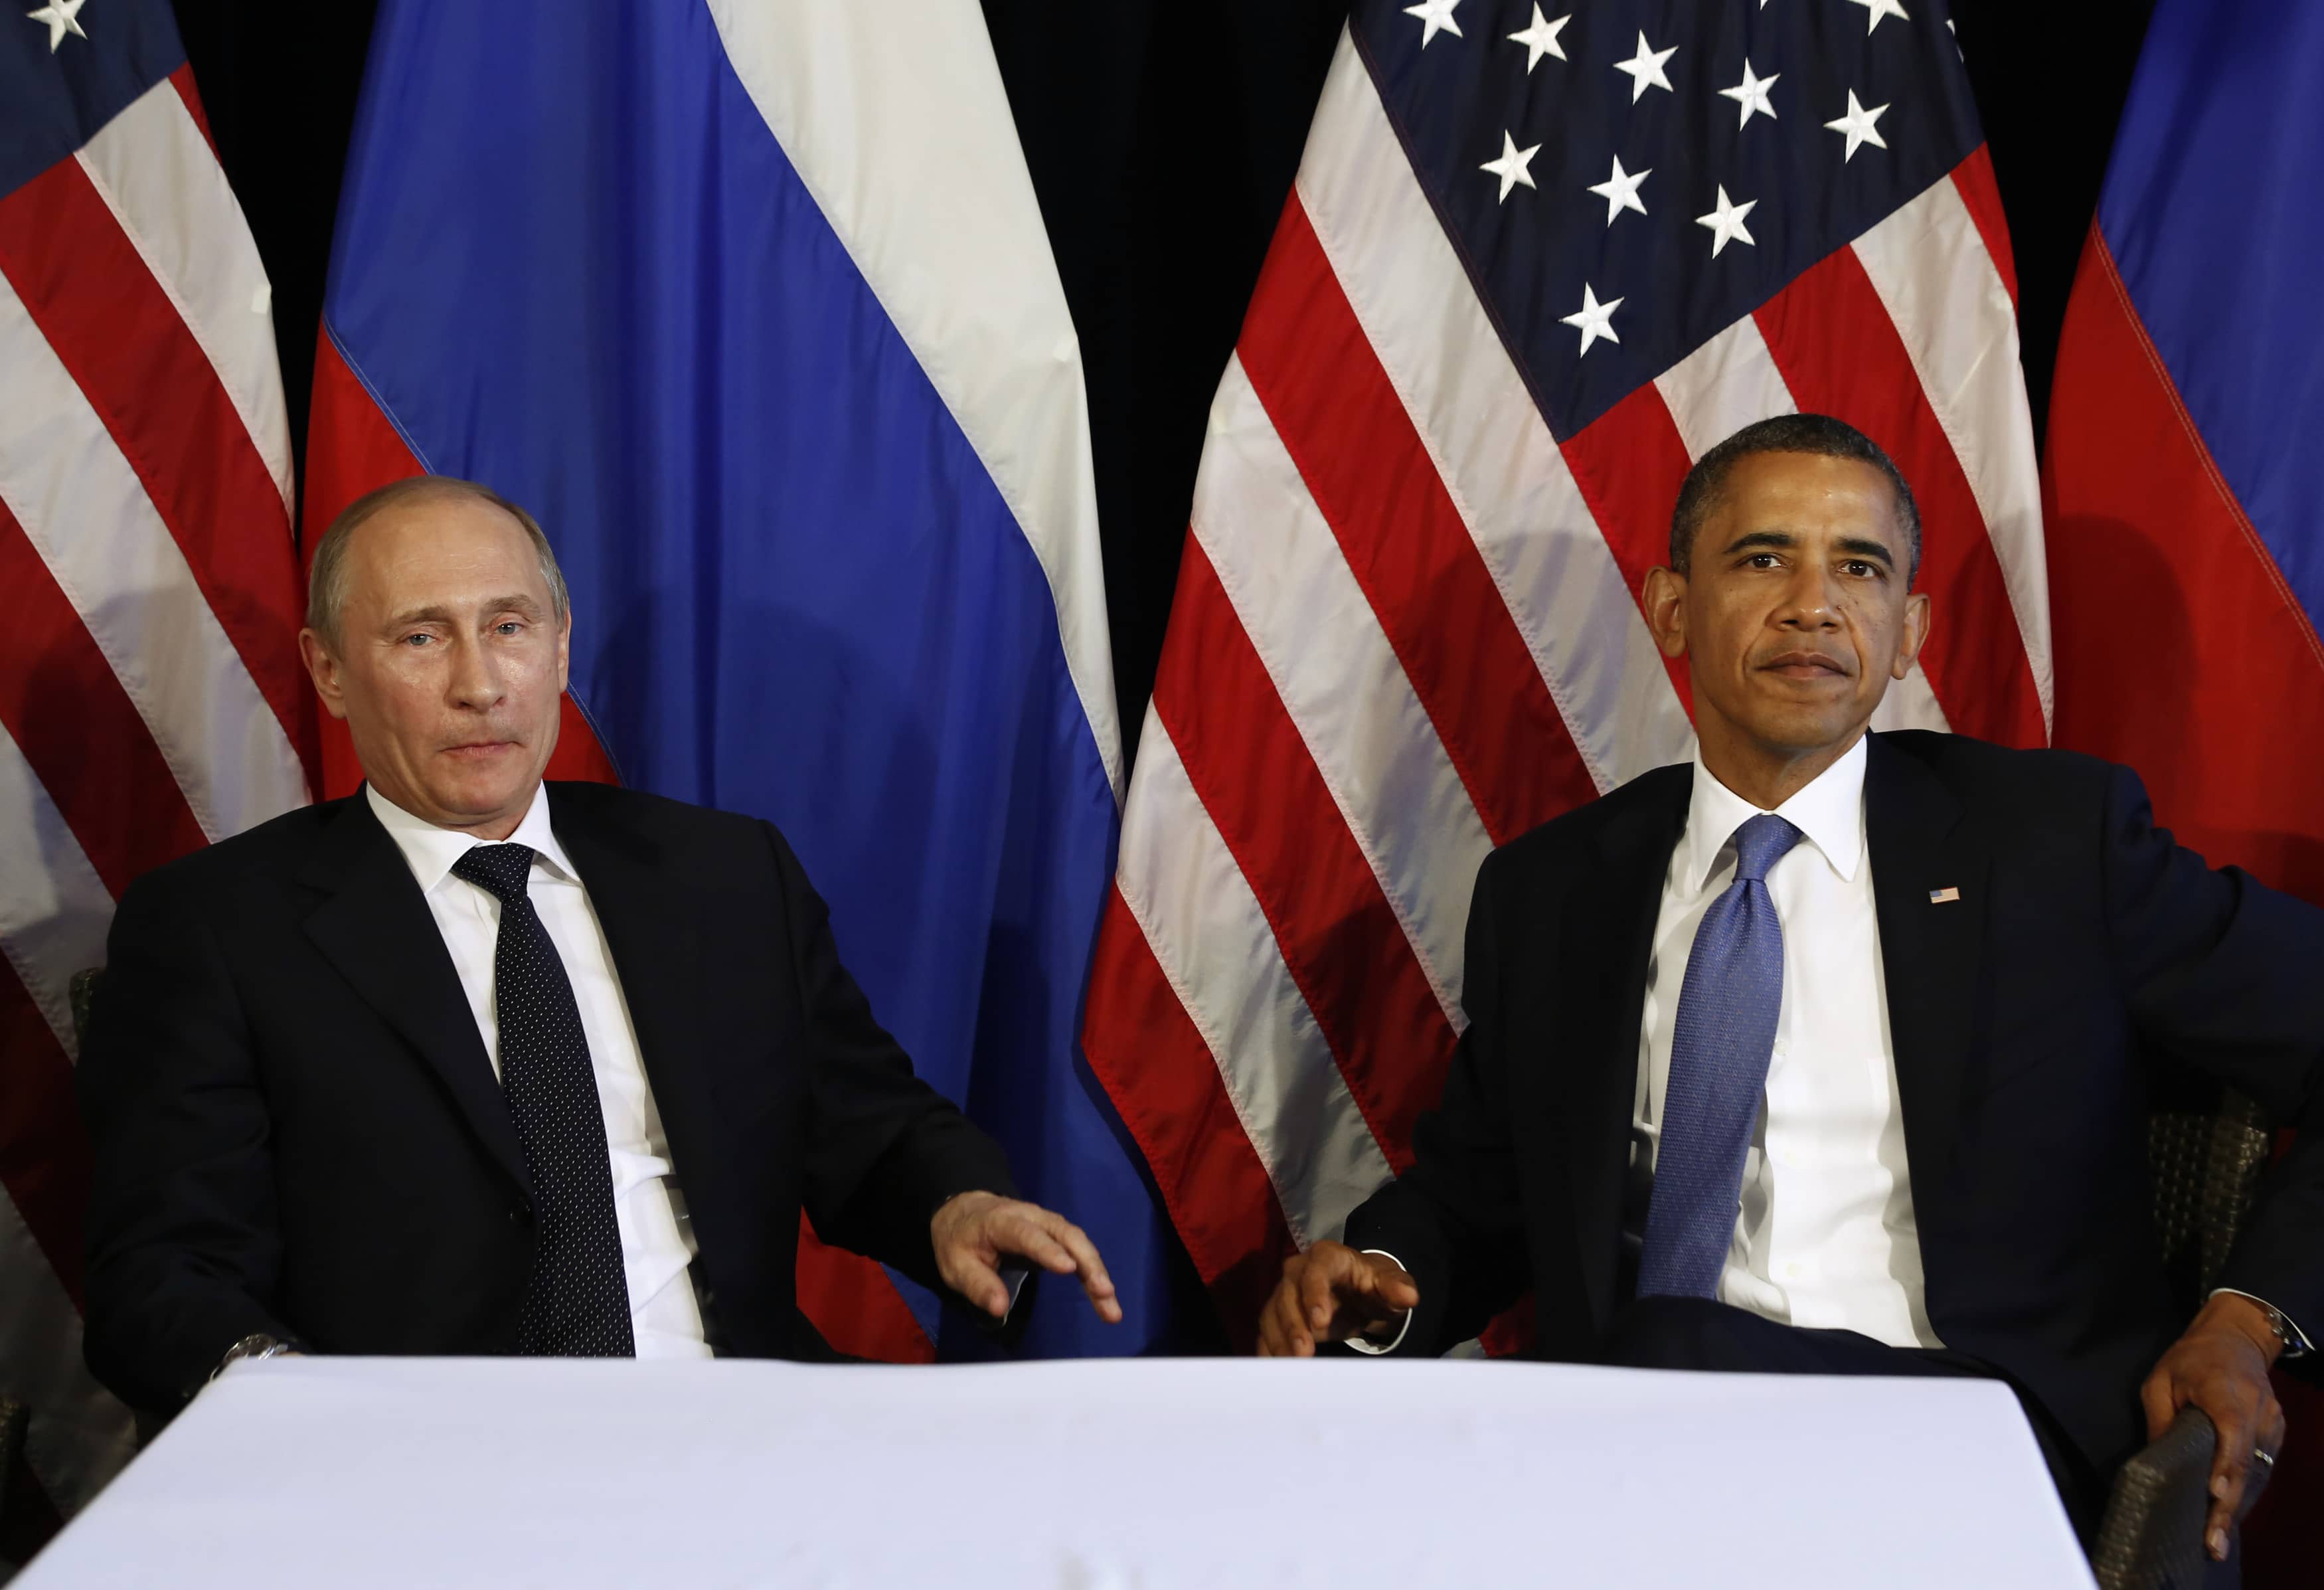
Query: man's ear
[(1914, 635), (323, 667), (564, 651), (1664, 601)]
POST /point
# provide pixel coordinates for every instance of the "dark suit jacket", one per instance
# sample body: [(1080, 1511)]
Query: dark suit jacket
[(2086, 957), (297, 1130)]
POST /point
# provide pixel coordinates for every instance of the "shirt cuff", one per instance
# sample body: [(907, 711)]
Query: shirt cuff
[(1375, 1348), (2299, 1346)]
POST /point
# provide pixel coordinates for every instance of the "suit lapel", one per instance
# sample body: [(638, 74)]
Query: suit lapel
[(375, 928), (652, 934), (1601, 994), (1930, 949)]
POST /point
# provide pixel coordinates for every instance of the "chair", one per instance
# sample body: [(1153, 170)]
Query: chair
[(2206, 1165)]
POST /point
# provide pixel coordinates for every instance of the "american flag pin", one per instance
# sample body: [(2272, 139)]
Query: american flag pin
[(1944, 896)]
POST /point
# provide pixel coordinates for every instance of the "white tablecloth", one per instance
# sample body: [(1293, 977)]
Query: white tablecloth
[(1129, 1476)]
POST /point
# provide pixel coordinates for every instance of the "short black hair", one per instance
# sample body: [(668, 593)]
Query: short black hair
[(1785, 433)]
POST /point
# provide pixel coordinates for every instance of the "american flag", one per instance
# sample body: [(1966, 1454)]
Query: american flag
[(1538, 259), (151, 696)]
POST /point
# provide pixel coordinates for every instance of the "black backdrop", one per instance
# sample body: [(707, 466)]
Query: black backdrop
[(1162, 136)]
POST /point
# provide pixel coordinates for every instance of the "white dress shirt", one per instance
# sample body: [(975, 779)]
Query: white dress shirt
[(1824, 1232), (657, 1239)]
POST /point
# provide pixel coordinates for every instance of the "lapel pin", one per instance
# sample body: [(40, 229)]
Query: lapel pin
[(1944, 896)]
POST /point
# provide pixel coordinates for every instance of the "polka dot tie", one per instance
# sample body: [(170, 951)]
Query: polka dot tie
[(1724, 1037), (578, 1302)]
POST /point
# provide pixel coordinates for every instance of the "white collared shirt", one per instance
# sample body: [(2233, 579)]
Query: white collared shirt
[(1824, 1231), (657, 1239)]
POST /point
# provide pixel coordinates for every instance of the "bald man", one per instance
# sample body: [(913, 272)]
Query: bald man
[(472, 1063)]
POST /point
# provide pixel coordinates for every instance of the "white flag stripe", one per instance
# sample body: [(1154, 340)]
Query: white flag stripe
[(1728, 383), (1491, 448), (87, 515), (79, 1437), (902, 133), (1725, 384), (1929, 265), (1214, 945), (155, 171), (1322, 646), (54, 910)]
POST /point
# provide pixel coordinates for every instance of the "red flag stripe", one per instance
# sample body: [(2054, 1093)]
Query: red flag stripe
[(1937, 279), (62, 704), (1344, 947), (1974, 180), (149, 381), (1629, 464), (182, 82), (1162, 1076), (1841, 355), (1347, 431), (43, 1152)]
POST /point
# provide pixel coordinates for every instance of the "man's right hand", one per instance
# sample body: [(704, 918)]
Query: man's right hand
[(1331, 1293)]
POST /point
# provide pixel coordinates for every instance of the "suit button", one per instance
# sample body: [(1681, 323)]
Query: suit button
[(519, 1216)]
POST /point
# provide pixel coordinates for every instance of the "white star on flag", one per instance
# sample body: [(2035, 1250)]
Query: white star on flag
[(1595, 319), (1751, 94), (1875, 10), (1540, 39), (1645, 68), (1725, 223), (1620, 190), (1858, 125), (1510, 168), (62, 17), (1435, 17)]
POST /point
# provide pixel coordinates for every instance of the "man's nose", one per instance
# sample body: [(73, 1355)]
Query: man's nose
[(1810, 601), (476, 681)]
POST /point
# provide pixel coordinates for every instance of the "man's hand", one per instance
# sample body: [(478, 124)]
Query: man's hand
[(1331, 1293), (974, 1230), (2220, 1366)]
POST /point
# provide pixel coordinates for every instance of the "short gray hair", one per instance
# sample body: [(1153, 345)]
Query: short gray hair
[(327, 578)]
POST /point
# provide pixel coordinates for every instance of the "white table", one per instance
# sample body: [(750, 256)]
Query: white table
[(1123, 1476)]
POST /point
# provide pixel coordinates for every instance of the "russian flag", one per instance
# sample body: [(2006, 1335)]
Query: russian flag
[(2185, 477), (752, 306), (2184, 481)]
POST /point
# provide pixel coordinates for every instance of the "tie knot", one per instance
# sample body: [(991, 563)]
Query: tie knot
[(1759, 843), (504, 871)]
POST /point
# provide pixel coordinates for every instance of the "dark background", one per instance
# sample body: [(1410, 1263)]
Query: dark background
[(1162, 136)]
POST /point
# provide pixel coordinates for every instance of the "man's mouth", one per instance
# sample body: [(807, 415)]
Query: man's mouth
[(1805, 665)]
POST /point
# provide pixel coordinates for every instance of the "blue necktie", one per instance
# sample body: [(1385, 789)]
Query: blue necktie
[(1725, 1033)]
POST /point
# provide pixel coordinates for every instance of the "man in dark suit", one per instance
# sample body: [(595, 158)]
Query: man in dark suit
[(467, 1063), (1831, 1051)]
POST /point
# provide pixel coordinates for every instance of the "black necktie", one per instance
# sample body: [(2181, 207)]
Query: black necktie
[(579, 1304)]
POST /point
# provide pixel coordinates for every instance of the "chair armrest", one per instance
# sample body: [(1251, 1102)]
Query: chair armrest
[(2151, 1538)]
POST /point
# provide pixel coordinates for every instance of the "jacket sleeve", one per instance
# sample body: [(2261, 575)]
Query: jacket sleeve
[(883, 1148), (183, 1247), (2228, 976), (1453, 1220)]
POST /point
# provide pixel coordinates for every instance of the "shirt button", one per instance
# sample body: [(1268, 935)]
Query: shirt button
[(519, 1216), (1791, 1273)]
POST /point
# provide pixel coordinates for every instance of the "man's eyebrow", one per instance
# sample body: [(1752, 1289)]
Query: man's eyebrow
[(1783, 540), (1857, 546), (516, 603)]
